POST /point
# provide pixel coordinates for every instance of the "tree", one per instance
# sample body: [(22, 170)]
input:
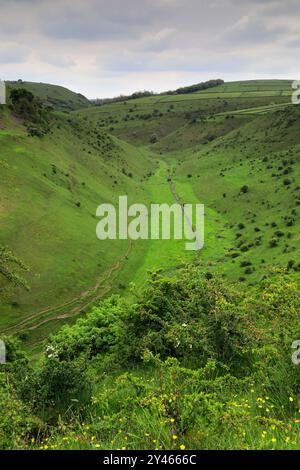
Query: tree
[(31, 109), (18, 94), (23, 102)]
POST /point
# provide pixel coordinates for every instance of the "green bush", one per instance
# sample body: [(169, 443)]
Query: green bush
[(17, 424), (188, 317), (189, 363), (57, 388)]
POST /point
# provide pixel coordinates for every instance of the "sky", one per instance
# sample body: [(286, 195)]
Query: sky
[(104, 48)]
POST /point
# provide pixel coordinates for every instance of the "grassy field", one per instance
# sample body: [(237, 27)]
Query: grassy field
[(255, 86)]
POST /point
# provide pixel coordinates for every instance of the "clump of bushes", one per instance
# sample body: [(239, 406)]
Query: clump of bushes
[(190, 363), (28, 107)]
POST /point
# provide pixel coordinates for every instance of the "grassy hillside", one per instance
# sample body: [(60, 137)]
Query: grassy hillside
[(214, 146), (254, 86), (50, 189), (137, 120), (58, 97), (250, 177), (238, 153)]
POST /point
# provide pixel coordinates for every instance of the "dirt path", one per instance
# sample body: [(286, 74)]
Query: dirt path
[(80, 308), (179, 201), (22, 325)]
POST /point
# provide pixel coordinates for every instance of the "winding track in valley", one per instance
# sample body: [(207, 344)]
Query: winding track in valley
[(89, 297), (25, 324), (179, 201)]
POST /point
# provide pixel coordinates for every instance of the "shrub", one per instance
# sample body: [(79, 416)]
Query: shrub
[(153, 139), (273, 242), (245, 264), (99, 333), (30, 108), (57, 388), (17, 424), (244, 189), (190, 318)]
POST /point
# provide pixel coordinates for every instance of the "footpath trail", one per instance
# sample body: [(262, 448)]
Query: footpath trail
[(179, 200), (64, 311)]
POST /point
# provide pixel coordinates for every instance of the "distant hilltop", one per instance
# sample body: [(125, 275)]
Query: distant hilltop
[(143, 94)]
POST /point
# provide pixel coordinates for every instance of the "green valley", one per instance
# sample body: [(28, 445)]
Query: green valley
[(140, 343), (51, 187)]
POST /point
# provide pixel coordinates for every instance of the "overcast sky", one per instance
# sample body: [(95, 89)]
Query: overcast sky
[(109, 47)]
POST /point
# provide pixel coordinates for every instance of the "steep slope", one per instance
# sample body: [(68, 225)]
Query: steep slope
[(251, 177), (50, 189), (58, 97)]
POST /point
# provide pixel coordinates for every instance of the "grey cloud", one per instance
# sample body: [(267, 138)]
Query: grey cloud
[(11, 53), (96, 19), (254, 31), (83, 41)]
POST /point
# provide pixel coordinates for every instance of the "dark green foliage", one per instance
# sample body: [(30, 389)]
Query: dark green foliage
[(245, 189), (199, 87), (273, 242), (17, 424), (14, 353), (191, 317), (30, 108), (177, 360), (56, 388)]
